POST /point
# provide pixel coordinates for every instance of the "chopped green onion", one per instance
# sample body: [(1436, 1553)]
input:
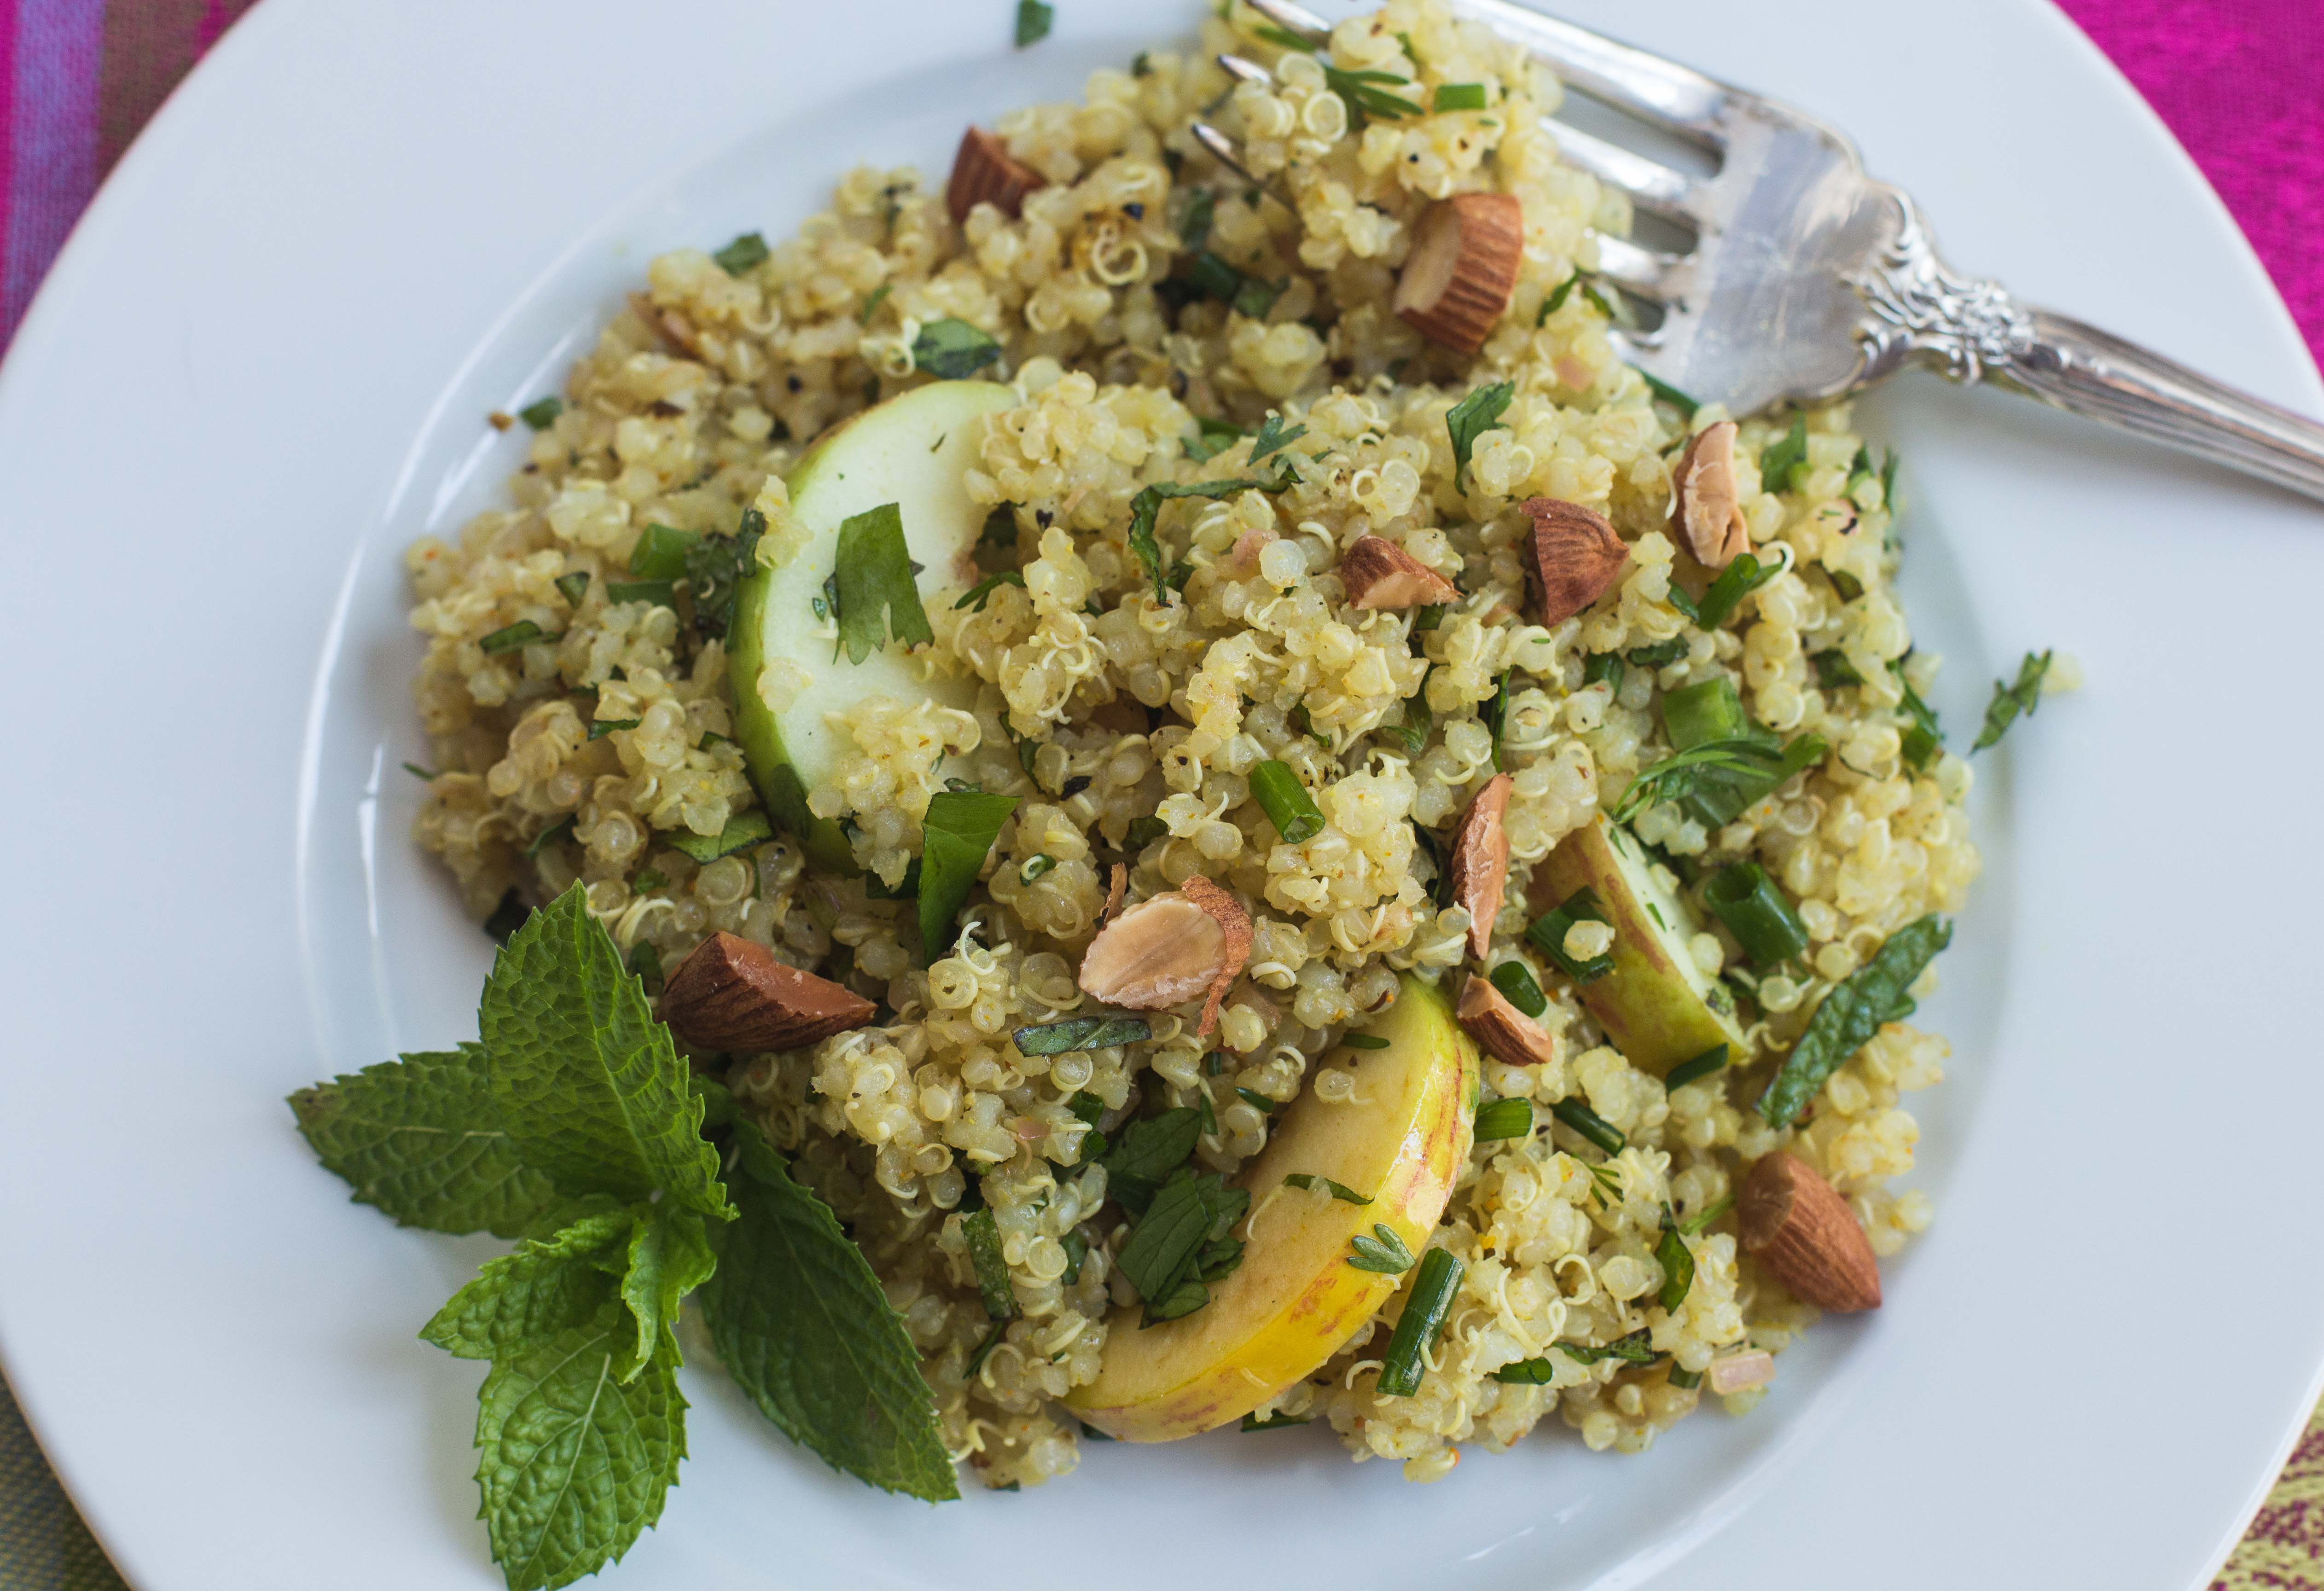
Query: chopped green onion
[(951, 348), (550, 835), (1360, 91), (662, 593), (1756, 913), (1669, 394), (743, 255), (1691, 1071), (1780, 457), (1273, 1421), (742, 831), (1659, 654), (982, 592), (1744, 574), (649, 880), (1081, 1033), (524, 632), (1258, 1101), (1848, 1016), (1833, 670), (417, 772), (660, 552), (1515, 980), (542, 413), (599, 728), (1290, 807), (1460, 97), (1718, 1207), (1363, 1041), (1697, 714), (2008, 700), (1548, 932), (573, 587), (1471, 417), (1504, 1118), (1677, 1262), (1339, 1190), (1591, 1125), (1428, 616), (1686, 1380), (1383, 1252), (983, 1234), (1424, 1309)]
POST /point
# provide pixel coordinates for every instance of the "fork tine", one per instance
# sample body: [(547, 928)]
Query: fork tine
[(1650, 87), (1222, 149), (1654, 186), (1248, 71), (1647, 272), (1293, 19)]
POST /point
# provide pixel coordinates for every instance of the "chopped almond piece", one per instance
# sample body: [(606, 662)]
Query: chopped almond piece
[(1795, 1224), (1706, 506), (1506, 1033), (732, 994), (668, 325), (1480, 859), (1462, 268), (1576, 557), (984, 172), (1169, 948), (1736, 1373), (1114, 893), (1378, 574)]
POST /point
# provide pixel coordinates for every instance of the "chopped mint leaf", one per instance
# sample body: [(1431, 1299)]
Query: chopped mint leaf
[(1677, 1261), (955, 837), (982, 592), (1033, 21), (421, 1139), (1081, 1033), (549, 1284), (877, 597), (800, 1322), (984, 1256), (716, 566), (746, 252), (1471, 417), (1833, 670), (575, 1460), (1144, 832), (1272, 436), (417, 772), (550, 835), (573, 587), (542, 413), (2009, 701), (742, 830), (878, 296), (951, 348), (590, 1087), (599, 728), (1744, 574), (1145, 1152), (1666, 393), (668, 1256), (1720, 778), (524, 632), (1339, 1190), (1846, 1019), (1147, 504), (1923, 737), (1212, 437), (1780, 457)]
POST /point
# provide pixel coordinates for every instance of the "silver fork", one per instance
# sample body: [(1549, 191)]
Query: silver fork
[(1809, 280)]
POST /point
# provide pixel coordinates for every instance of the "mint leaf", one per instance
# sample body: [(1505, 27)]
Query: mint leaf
[(877, 597), (575, 1462), (806, 1330), (1471, 417), (422, 1138), (590, 1087), (956, 835), (951, 348), (668, 1256), (548, 1285)]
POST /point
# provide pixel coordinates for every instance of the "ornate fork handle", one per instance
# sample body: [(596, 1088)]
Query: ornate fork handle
[(1923, 312)]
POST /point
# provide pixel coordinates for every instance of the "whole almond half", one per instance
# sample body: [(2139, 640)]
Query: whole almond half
[(1706, 503), (1576, 557), (1505, 1032), (732, 994), (984, 172), (1378, 574), (1169, 948), (1462, 268), (1480, 864), (1794, 1224)]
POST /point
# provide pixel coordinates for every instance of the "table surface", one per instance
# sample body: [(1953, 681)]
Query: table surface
[(2236, 79)]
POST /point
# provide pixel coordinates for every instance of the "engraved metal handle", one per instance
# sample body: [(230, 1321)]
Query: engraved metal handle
[(1922, 312)]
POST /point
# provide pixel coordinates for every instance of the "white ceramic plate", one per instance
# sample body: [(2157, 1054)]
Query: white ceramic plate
[(262, 367)]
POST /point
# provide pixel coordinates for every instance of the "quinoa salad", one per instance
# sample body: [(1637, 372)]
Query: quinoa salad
[(1160, 739)]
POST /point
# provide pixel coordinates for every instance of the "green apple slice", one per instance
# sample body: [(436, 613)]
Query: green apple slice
[(914, 451), (1656, 1005)]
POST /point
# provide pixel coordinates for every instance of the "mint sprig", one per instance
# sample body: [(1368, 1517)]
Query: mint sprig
[(549, 1284)]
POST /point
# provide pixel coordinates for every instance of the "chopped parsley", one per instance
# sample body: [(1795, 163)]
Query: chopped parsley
[(2009, 701), (951, 348), (744, 253), (1471, 417), (875, 595)]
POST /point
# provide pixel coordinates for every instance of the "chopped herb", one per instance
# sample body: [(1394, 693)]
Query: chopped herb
[(1258, 1101), (983, 1234), (1290, 807), (1144, 832), (1548, 932), (573, 587), (1756, 913), (1888, 462), (1033, 21), (649, 880), (1686, 1380), (1210, 1120), (1702, 1066), (1254, 297), (1515, 981), (2008, 701), (742, 830), (662, 593), (1194, 229), (1306, 726), (1696, 714), (1659, 654), (1214, 1064), (955, 837), (1717, 1207), (951, 348), (1833, 670), (1363, 95), (524, 632), (982, 592), (1412, 732), (1603, 668), (877, 597), (1339, 1190), (1272, 436), (417, 772), (1428, 616), (879, 296), (1363, 1041), (1564, 290), (1780, 457), (1425, 1310), (1273, 1421), (1496, 715), (1459, 96), (1664, 391), (1527, 1373), (1632, 1350), (1677, 1262), (716, 566), (1035, 866), (507, 917), (1719, 778), (984, 1350), (1141, 65), (1847, 1018), (1859, 469), (1081, 1033), (659, 553), (542, 413), (1471, 417), (1923, 737), (1504, 1118), (1076, 1248), (645, 962), (1181, 1233), (1282, 37), (1847, 585), (1075, 786), (549, 836), (1147, 504), (744, 253), (1599, 1132), (1743, 576), (1384, 1251), (1212, 437)]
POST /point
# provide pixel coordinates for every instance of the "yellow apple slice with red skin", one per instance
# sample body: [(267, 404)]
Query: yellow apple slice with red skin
[(1656, 1005), (1402, 1140)]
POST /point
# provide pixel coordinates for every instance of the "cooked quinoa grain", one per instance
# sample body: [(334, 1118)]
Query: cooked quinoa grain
[(1129, 727)]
